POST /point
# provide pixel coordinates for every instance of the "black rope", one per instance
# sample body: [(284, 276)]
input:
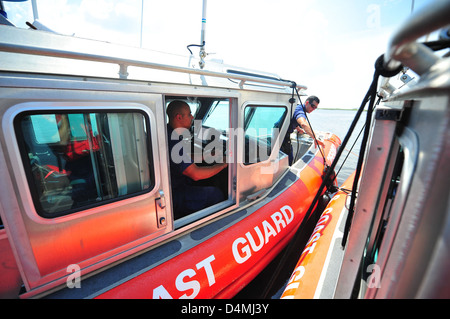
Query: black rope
[(354, 143), (288, 253), (372, 92), (348, 154), (371, 95), (438, 45), (291, 246), (292, 101)]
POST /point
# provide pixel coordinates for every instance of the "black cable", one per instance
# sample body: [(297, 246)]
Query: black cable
[(291, 247), (195, 45), (298, 140), (438, 45), (371, 94), (292, 101), (354, 143), (348, 154)]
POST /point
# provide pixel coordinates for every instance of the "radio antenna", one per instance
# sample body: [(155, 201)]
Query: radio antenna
[(202, 38)]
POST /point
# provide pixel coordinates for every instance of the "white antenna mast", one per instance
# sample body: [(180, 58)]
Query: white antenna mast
[(142, 22), (37, 24), (35, 10), (202, 38)]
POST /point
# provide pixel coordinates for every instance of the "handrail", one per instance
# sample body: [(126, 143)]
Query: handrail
[(403, 49), (125, 62)]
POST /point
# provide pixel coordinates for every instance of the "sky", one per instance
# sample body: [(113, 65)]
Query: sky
[(328, 45)]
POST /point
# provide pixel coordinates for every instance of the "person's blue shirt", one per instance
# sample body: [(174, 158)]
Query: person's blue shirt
[(298, 113), (178, 163), (286, 146), (186, 196)]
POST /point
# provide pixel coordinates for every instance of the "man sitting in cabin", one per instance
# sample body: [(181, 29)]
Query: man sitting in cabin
[(187, 197), (300, 124)]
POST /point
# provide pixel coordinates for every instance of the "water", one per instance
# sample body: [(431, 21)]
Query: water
[(338, 122), (334, 121)]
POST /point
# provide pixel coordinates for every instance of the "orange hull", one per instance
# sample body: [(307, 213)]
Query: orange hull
[(305, 280), (222, 265), (219, 259), (225, 263)]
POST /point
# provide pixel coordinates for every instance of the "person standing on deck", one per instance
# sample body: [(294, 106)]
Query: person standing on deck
[(300, 124)]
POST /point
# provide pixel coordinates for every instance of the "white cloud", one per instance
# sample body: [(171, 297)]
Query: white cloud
[(98, 9), (130, 10), (327, 46)]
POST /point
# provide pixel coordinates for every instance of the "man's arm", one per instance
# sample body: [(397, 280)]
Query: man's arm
[(305, 126), (203, 172)]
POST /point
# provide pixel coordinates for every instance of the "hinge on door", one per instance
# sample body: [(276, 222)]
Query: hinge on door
[(160, 202)]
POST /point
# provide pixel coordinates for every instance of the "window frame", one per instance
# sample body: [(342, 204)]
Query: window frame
[(231, 201), (245, 124), (80, 108), (210, 112)]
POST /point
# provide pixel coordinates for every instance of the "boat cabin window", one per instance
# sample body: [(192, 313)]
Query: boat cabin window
[(262, 125), (76, 160), (204, 145), (218, 116)]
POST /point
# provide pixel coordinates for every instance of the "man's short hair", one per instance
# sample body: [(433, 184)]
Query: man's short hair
[(175, 107), (313, 98)]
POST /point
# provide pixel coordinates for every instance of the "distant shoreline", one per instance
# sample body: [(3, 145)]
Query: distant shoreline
[(337, 109)]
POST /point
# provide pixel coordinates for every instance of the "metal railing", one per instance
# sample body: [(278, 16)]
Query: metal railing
[(403, 48), (124, 63)]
